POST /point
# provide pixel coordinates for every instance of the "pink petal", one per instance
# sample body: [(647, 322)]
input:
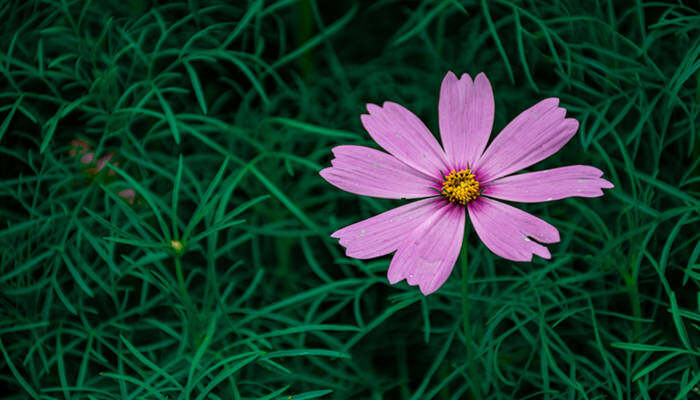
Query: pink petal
[(466, 112), (370, 172), (383, 233), (128, 194), (87, 158), (532, 136), (78, 146), (405, 136), (100, 164), (429, 253), (505, 230), (551, 184), (103, 161)]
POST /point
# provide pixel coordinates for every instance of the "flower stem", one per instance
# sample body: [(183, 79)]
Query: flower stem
[(633, 293), (632, 290), (475, 389), (183, 287)]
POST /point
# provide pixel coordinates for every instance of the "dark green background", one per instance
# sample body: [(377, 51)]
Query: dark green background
[(221, 114)]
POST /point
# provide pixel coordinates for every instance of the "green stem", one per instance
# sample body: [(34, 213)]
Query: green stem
[(633, 292), (475, 389), (183, 286)]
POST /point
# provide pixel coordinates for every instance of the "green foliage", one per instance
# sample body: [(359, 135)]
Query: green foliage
[(221, 280)]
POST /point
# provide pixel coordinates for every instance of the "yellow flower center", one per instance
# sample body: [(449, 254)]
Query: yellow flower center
[(460, 187), (176, 245)]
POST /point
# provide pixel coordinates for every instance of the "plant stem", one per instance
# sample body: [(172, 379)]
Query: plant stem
[(633, 292), (475, 389), (183, 287)]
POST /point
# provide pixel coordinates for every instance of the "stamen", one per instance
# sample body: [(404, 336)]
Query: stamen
[(460, 187)]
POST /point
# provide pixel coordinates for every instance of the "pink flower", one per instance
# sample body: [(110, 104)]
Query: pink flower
[(127, 194), (87, 158), (101, 163), (78, 146), (427, 234)]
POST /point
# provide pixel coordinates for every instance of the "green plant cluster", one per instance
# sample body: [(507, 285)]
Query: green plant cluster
[(219, 280)]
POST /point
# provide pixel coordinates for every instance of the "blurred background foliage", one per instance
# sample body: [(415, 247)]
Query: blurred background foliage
[(218, 278)]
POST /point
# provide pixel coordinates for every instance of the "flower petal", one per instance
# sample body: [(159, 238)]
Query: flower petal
[(370, 172), (127, 194), (466, 112), (429, 253), (532, 136), (405, 136), (101, 162), (550, 184), (505, 230), (382, 234), (87, 158), (78, 146)]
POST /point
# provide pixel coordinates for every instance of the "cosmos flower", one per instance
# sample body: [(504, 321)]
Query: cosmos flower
[(100, 164), (462, 177), (82, 148), (93, 166), (78, 146)]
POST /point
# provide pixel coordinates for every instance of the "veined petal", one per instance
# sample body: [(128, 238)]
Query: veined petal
[(466, 112), (551, 184), (532, 136), (429, 253), (370, 172), (382, 234), (506, 230), (405, 136)]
